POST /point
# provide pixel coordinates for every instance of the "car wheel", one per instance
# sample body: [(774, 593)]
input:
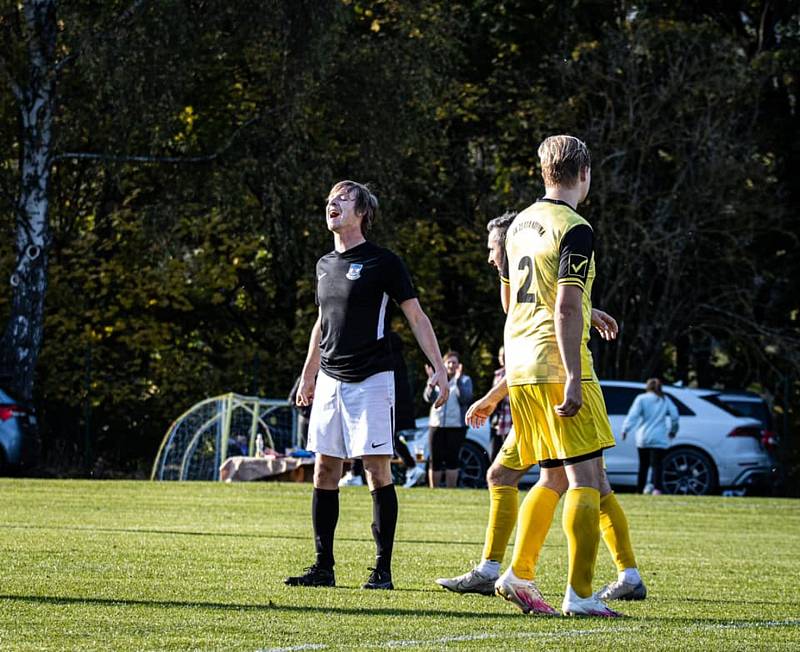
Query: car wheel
[(474, 464), (688, 471)]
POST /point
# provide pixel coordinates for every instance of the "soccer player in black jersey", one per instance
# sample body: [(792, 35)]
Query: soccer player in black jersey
[(348, 378)]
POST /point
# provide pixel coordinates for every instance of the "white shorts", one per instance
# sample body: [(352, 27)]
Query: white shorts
[(353, 419)]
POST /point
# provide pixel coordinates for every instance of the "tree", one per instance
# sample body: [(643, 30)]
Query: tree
[(33, 87)]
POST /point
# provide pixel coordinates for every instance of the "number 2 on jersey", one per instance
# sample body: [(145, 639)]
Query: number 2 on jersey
[(523, 294)]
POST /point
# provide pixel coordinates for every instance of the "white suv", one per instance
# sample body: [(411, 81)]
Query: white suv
[(715, 447)]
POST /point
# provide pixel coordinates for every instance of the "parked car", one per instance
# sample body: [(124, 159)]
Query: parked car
[(16, 421), (715, 448), (750, 404)]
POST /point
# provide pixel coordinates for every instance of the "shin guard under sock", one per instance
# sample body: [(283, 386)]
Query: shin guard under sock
[(384, 522), (581, 522), (324, 516), (535, 518)]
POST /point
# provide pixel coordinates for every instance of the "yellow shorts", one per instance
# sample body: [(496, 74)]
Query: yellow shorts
[(543, 435), (509, 455)]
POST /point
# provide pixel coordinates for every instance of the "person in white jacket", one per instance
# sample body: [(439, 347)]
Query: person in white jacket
[(654, 418)]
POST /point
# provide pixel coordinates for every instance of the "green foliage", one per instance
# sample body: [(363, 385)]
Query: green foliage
[(188, 271)]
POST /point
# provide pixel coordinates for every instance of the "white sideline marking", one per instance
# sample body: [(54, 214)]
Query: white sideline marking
[(483, 637), (533, 635), (306, 646)]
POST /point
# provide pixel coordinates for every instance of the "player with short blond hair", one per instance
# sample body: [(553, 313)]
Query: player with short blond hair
[(556, 403), (506, 472)]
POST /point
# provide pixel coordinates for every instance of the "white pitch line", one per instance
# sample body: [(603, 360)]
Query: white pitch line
[(483, 637), (305, 646), (465, 638)]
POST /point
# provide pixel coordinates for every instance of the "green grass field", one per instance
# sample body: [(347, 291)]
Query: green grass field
[(145, 566)]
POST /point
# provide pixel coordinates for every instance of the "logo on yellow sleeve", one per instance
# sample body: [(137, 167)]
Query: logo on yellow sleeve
[(578, 266)]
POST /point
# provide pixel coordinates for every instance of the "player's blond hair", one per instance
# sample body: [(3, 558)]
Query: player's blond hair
[(562, 158)]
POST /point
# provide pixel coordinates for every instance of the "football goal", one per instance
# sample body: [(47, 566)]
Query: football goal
[(216, 428)]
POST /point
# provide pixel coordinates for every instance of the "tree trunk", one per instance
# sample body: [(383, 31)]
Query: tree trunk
[(22, 339)]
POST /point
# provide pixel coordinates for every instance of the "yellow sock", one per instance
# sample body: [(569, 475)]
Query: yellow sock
[(536, 515), (581, 522), (503, 505), (616, 535)]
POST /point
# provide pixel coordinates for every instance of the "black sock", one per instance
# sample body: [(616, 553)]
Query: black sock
[(324, 516), (384, 522)]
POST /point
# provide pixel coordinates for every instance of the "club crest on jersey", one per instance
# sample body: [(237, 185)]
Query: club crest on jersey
[(355, 271)]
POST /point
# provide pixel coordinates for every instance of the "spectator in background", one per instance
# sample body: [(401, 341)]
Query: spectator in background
[(303, 413), (500, 421), (404, 411), (447, 427), (655, 420)]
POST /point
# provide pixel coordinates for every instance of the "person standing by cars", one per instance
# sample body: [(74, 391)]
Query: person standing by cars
[(648, 416), (447, 426)]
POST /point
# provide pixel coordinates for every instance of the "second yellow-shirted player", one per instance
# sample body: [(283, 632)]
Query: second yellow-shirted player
[(557, 407)]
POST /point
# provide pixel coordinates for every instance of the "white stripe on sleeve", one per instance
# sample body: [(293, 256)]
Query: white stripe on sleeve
[(382, 315)]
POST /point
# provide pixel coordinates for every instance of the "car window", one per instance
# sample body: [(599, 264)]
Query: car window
[(619, 399), (714, 399), (754, 409), (683, 409)]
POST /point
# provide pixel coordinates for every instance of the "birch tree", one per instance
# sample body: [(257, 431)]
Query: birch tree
[(34, 89)]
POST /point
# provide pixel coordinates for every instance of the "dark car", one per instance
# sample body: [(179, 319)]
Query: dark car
[(16, 423)]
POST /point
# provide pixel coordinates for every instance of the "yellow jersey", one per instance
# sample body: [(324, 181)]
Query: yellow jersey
[(547, 245)]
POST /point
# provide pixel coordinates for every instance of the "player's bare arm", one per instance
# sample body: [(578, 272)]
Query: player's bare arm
[(426, 338), (569, 330), (305, 393), (482, 409), (604, 324), (505, 296)]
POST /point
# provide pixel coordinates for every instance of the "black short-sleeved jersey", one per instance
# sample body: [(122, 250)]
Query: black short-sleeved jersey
[(353, 292)]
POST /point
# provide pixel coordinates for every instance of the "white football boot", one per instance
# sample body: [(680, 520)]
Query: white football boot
[(473, 581), (523, 593), (621, 590), (591, 606)]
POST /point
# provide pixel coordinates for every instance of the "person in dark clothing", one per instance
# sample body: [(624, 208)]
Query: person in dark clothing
[(447, 428), (303, 413), (348, 377)]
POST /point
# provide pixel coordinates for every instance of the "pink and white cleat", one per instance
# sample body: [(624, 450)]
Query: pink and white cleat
[(523, 593), (591, 606)]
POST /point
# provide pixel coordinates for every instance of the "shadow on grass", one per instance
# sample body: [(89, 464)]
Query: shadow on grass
[(238, 535), (682, 622), (269, 606)]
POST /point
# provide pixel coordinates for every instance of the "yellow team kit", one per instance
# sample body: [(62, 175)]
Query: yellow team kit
[(548, 245)]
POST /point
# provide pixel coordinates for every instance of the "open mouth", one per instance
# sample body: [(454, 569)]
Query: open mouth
[(334, 212)]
